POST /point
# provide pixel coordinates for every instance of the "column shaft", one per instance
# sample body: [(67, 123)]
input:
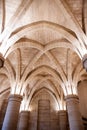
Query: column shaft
[(3, 111), (23, 120), (74, 115), (12, 112), (63, 120)]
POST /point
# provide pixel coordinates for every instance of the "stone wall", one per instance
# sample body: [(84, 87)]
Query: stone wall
[(82, 92), (43, 109)]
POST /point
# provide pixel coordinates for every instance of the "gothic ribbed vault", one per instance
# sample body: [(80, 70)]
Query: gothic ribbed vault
[(43, 43)]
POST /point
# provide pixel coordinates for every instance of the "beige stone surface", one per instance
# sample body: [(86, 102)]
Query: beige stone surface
[(43, 43)]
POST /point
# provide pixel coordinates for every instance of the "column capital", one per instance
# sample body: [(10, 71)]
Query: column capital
[(61, 111), (72, 97), (15, 97), (24, 111)]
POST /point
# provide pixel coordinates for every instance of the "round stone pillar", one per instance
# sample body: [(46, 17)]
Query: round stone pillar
[(63, 120), (12, 113), (3, 111), (74, 115), (23, 120)]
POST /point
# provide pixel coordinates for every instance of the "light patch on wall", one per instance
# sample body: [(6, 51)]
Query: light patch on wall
[(30, 108), (62, 105)]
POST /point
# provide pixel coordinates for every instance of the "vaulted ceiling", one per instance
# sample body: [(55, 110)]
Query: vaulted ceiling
[(43, 42)]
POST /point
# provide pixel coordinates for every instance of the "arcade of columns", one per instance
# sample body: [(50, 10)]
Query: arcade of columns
[(43, 48)]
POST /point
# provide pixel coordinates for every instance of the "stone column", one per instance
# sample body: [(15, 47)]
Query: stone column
[(63, 120), (12, 112), (23, 120), (3, 111), (74, 115), (43, 115)]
